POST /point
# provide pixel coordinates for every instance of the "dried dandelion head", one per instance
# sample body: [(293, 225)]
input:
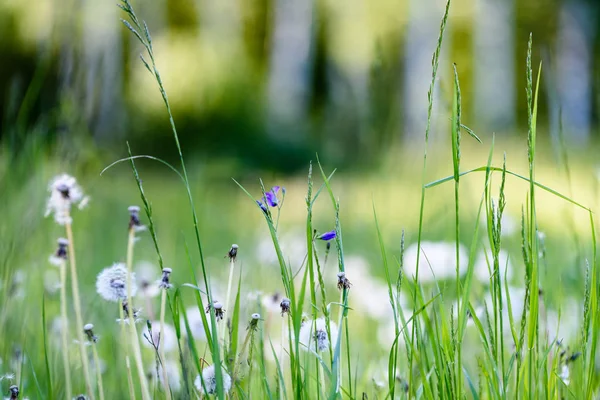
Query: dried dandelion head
[(111, 283), (207, 382), (285, 306), (60, 255), (253, 325), (164, 281), (232, 254), (219, 310), (88, 329), (343, 282), (64, 192), (134, 219)]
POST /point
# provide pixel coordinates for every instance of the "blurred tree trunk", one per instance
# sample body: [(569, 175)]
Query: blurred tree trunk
[(102, 62), (421, 41), (574, 52), (494, 65), (290, 63)]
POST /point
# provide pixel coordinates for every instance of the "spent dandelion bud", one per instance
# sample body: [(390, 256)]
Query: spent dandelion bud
[(253, 325), (88, 329), (14, 392), (285, 306), (111, 283), (60, 255), (164, 281), (327, 236), (80, 397), (207, 382), (232, 254), (313, 334), (343, 282), (219, 311), (64, 193), (134, 219)]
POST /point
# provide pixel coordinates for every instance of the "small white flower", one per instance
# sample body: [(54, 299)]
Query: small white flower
[(64, 192), (313, 335), (51, 281), (481, 271), (195, 321), (111, 283), (564, 374), (147, 274), (436, 262), (207, 382), (172, 369), (168, 340)]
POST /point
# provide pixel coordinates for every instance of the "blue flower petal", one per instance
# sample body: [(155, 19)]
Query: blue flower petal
[(327, 236)]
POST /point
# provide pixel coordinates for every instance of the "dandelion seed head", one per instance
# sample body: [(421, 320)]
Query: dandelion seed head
[(64, 192), (207, 382), (313, 335), (195, 322), (164, 281), (111, 283), (146, 279)]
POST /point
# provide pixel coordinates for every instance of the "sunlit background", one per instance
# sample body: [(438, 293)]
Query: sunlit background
[(257, 90)]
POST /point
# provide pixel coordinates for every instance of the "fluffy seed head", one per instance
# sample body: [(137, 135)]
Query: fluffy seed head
[(207, 382), (111, 283), (64, 192), (313, 334)]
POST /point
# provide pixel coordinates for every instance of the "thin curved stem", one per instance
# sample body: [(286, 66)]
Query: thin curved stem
[(78, 317)]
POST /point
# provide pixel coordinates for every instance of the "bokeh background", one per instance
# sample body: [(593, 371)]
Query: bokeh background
[(257, 89)]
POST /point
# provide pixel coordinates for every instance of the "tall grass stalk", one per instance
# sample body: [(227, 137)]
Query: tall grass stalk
[(78, 316), (142, 33), (430, 95), (65, 331), (133, 334)]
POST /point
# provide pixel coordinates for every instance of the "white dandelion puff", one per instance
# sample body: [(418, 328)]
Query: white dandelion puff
[(207, 382), (437, 261), (173, 375), (146, 279), (64, 192), (565, 375), (111, 283), (314, 336), (194, 318)]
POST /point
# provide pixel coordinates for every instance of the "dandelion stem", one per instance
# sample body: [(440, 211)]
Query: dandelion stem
[(65, 325), (98, 371), (135, 344), (79, 318), (281, 353), (231, 265), (163, 302), (126, 348)]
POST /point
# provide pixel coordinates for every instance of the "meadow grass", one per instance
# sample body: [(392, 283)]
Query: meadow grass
[(453, 336)]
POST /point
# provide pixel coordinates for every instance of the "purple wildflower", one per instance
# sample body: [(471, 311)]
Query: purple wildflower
[(271, 197), (327, 236)]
